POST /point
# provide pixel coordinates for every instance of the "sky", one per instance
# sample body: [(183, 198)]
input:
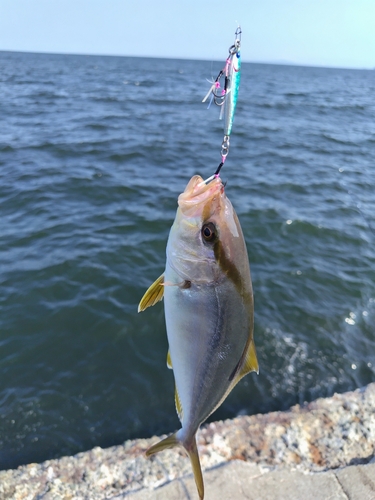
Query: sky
[(332, 33)]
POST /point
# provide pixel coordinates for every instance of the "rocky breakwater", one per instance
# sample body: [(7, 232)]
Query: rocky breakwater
[(322, 435)]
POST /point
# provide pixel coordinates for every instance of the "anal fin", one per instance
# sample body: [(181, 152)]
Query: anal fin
[(178, 404), (169, 360), (177, 399)]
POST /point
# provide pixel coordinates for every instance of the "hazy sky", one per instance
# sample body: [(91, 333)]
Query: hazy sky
[(315, 32)]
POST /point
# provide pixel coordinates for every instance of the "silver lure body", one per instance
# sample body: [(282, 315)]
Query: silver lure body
[(234, 76)]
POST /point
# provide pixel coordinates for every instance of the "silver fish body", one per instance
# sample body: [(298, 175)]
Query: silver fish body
[(208, 303), (210, 319)]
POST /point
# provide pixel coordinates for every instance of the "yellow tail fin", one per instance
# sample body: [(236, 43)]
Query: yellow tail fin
[(196, 465), (192, 451), (166, 443)]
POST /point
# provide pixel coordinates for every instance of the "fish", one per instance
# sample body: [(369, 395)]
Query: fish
[(209, 310)]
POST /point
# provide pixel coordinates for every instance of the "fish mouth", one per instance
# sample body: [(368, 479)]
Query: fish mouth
[(197, 192)]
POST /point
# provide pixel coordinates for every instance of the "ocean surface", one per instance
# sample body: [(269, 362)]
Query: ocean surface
[(93, 154)]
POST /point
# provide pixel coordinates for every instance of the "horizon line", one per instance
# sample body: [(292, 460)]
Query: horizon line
[(272, 63)]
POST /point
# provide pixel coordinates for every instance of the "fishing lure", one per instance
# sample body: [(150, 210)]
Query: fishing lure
[(226, 96)]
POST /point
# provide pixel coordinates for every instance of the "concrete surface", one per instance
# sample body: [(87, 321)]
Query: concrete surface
[(238, 480)]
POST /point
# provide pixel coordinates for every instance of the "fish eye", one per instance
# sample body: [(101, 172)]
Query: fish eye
[(209, 232)]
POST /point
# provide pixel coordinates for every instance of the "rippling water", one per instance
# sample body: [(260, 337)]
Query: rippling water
[(93, 153)]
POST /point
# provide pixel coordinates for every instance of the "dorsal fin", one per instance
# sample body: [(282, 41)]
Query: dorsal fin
[(153, 294), (251, 361), (248, 363)]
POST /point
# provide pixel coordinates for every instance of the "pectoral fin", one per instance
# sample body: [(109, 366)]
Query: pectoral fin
[(153, 295)]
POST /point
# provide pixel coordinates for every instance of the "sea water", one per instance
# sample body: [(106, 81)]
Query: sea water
[(93, 154)]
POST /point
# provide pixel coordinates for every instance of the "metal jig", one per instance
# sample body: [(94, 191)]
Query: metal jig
[(226, 98)]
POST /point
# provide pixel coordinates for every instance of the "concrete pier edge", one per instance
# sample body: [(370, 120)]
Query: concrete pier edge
[(321, 450)]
